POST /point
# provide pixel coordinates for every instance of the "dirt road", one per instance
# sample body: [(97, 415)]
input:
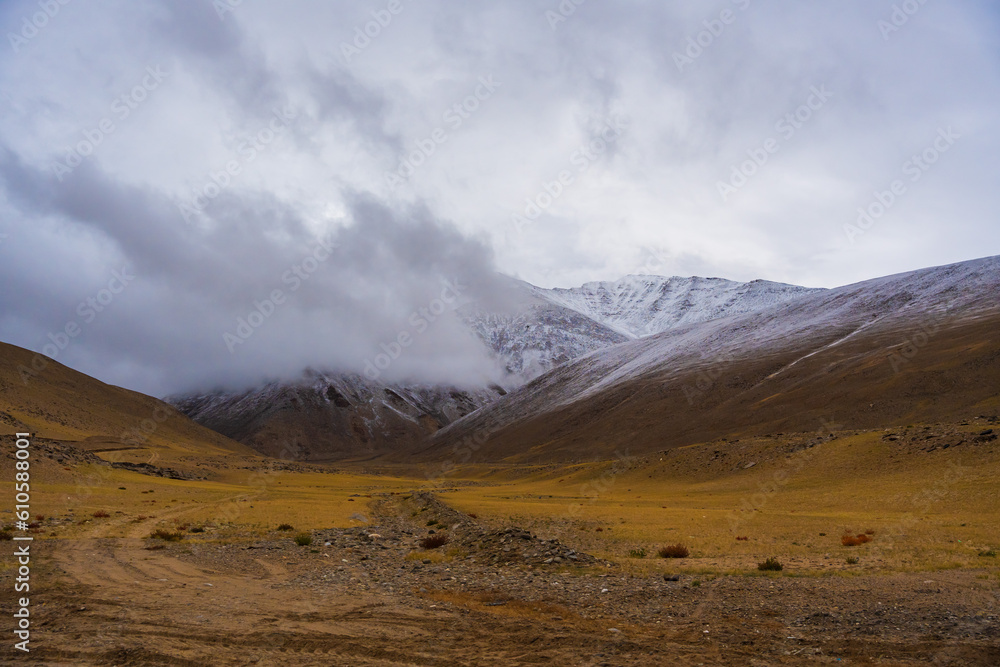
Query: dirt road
[(365, 599)]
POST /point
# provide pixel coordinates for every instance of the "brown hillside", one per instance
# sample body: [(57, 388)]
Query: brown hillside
[(58, 403)]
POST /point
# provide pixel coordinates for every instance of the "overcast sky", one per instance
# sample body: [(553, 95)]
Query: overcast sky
[(205, 150)]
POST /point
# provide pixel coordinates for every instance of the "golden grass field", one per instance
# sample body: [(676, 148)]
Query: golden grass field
[(928, 510)]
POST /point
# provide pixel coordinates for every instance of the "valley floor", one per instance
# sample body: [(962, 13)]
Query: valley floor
[(551, 565), (367, 601)]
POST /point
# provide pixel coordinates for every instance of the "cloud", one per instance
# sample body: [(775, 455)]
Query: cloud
[(262, 139)]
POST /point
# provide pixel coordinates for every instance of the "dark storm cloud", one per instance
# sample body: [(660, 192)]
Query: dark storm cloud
[(343, 292), (211, 202)]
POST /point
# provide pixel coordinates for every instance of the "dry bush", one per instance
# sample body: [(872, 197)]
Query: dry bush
[(771, 564), (286, 526), (849, 540), (166, 535), (674, 551), (101, 514), (303, 539), (742, 539), (434, 541)]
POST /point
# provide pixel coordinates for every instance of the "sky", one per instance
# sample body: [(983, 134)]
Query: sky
[(211, 192)]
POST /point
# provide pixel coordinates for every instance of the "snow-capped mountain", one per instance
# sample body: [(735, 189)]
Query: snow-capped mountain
[(552, 326), (906, 348), (638, 306), (329, 414)]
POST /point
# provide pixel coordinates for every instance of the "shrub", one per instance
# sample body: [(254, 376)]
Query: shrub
[(166, 535), (286, 526), (637, 553), (432, 522), (851, 560), (869, 532), (434, 541), (770, 565), (473, 515), (197, 529), (674, 551), (849, 540), (988, 553), (6, 535), (156, 547), (742, 539), (39, 517), (303, 539), (101, 514)]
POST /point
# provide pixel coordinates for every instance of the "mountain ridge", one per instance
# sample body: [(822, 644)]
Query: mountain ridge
[(774, 364)]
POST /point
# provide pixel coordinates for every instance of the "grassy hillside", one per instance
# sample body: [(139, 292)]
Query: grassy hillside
[(57, 403)]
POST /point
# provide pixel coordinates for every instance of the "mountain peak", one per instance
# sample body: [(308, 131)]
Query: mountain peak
[(644, 305)]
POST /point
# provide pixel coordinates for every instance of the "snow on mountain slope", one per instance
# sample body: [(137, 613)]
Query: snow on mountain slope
[(639, 306), (332, 415), (831, 350), (529, 331), (535, 335)]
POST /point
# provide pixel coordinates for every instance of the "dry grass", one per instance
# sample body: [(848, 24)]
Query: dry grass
[(772, 564), (166, 535), (674, 551)]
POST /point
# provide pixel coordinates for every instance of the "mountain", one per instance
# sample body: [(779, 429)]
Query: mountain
[(73, 412), (328, 415), (639, 306), (913, 347), (331, 416)]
